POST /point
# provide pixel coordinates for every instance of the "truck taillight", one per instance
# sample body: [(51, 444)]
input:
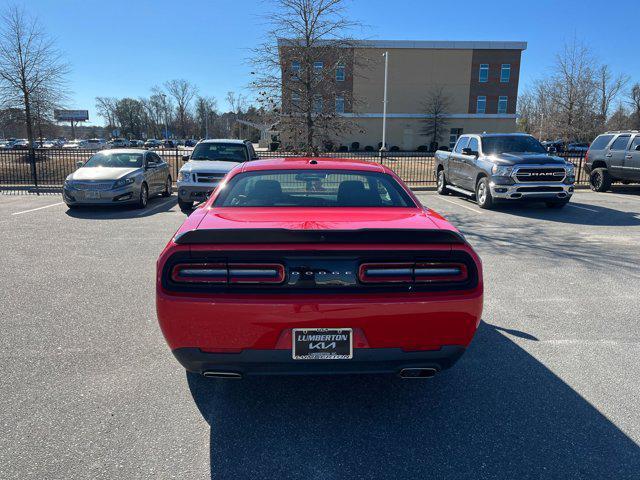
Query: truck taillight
[(420, 272), (223, 273)]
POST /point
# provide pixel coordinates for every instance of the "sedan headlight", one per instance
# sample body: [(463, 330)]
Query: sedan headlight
[(124, 181), (184, 176), (501, 171)]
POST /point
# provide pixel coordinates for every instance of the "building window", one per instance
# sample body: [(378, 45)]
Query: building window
[(483, 75), (295, 101), (340, 73), (340, 104), (295, 70), (318, 66), (481, 104), (505, 73), (317, 104), (502, 104), (453, 136)]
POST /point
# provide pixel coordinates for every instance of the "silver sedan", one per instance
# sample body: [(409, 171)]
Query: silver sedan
[(118, 176)]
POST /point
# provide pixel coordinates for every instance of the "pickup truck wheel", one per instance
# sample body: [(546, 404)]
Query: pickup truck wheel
[(483, 194), (185, 205), (441, 183), (600, 180)]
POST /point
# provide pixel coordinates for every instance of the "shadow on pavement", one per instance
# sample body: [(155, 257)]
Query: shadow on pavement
[(499, 413), (119, 212)]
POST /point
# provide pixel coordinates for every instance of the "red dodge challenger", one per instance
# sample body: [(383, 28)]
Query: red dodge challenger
[(317, 266)]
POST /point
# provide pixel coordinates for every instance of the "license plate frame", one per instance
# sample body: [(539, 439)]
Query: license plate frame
[(92, 195), (329, 348)]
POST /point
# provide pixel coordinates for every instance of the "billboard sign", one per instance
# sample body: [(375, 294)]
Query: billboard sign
[(71, 115)]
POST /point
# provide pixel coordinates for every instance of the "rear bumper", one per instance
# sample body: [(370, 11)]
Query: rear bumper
[(280, 362)]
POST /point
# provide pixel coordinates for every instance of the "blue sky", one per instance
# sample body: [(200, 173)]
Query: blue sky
[(122, 48)]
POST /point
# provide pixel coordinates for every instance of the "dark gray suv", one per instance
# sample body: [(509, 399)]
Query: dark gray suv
[(613, 157)]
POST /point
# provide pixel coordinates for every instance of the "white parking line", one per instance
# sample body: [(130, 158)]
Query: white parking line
[(459, 204), (581, 208), (146, 211), (39, 208)]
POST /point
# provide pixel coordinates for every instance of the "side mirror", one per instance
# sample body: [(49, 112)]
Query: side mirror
[(468, 151), (79, 163), (185, 158), (638, 148)]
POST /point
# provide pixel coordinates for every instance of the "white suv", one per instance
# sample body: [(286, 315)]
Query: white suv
[(206, 167)]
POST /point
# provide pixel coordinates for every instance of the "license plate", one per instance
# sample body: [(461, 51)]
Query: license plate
[(91, 195), (322, 343)]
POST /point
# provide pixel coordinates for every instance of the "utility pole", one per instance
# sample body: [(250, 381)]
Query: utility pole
[(384, 102), (166, 126)]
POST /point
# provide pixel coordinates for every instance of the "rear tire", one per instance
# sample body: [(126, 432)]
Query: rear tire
[(185, 206), (441, 183), (168, 187), (600, 180), (483, 194)]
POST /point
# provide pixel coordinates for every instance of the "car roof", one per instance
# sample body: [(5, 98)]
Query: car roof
[(319, 163), (513, 134), (223, 140), (123, 150)]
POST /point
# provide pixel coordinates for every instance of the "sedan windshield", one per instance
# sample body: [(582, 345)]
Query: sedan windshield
[(511, 144), (231, 152), (115, 160), (313, 188)]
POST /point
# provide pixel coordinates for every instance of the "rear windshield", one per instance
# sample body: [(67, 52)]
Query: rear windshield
[(601, 142), (313, 188), (232, 152), (511, 144)]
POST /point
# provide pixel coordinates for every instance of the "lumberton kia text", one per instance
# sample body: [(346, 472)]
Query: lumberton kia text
[(317, 266)]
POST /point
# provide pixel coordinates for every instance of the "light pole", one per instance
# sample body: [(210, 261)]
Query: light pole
[(384, 102), (166, 126)]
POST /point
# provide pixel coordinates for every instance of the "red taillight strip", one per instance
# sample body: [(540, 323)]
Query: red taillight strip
[(385, 272), (256, 273), (199, 273), (440, 272), (422, 272), (228, 273)]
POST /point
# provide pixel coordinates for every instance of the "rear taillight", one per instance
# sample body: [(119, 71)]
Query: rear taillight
[(420, 272), (223, 273)]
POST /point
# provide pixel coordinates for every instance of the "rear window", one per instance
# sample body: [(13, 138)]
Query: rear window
[(601, 142), (313, 188)]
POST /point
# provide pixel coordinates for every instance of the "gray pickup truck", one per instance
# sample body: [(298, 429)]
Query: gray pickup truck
[(504, 166)]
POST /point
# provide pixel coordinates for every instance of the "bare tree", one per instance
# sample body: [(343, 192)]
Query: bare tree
[(295, 69), (608, 88), (106, 108), (436, 107), (182, 92), (205, 115), (237, 106), (30, 65), (620, 119), (634, 101)]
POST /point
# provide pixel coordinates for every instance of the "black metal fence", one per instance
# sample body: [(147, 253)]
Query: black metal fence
[(46, 169)]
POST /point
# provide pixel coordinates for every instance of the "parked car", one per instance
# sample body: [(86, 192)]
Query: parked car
[(613, 157), (20, 144), (118, 176), (118, 143), (495, 167), (206, 167), (169, 144), (190, 143), (555, 146), (152, 143), (136, 143), (94, 144), (577, 147), (317, 265), (75, 144)]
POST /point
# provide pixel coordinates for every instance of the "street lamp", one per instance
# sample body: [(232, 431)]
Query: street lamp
[(166, 126), (384, 102)]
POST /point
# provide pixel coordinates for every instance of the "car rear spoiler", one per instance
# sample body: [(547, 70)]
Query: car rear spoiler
[(281, 235)]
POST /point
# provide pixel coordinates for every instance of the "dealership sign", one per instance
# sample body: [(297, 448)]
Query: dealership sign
[(71, 115)]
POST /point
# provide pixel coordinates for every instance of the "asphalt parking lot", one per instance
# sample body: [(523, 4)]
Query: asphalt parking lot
[(549, 389)]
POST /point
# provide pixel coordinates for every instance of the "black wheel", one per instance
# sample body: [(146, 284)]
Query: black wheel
[(168, 187), (144, 196), (441, 183), (185, 205), (557, 204), (600, 180), (483, 194)]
